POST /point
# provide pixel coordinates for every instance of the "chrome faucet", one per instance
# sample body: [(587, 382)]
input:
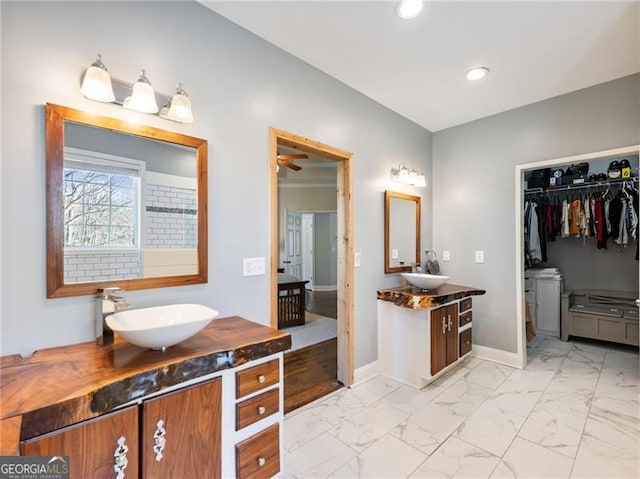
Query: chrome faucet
[(108, 302)]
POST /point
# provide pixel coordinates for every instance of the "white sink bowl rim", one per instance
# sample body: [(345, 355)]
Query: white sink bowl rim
[(159, 327), (424, 280)]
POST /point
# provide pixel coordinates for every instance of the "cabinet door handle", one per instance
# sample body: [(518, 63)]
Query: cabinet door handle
[(261, 379), (449, 323), (120, 461), (444, 326), (159, 440), (261, 461), (262, 410), (467, 342)]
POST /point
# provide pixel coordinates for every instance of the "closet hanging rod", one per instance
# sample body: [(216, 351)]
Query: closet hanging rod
[(602, 183)]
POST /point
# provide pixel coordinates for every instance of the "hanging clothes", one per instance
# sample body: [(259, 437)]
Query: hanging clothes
[(575, 218), (566, 229), (600, 225)]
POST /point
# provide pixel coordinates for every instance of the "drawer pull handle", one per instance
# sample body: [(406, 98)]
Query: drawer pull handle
[(120, 461), (467, 342), (261, 461), (261, 379), (159, 440), (262, 410)]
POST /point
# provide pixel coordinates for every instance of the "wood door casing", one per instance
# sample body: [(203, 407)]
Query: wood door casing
[(192, 419), (438, 340), (90, 445)]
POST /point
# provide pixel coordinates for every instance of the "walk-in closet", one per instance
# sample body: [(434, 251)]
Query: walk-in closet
[(580, 224)]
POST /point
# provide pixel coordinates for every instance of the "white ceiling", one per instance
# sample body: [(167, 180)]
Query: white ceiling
[(535, 50)]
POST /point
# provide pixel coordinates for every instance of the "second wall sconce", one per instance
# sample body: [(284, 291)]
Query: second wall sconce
[(97, 85), (403, 175)]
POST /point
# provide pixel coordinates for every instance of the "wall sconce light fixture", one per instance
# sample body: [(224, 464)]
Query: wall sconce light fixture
[(412, 177), (97, 85)]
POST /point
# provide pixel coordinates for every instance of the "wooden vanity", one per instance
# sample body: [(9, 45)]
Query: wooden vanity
[(423, 334), (211, 406)]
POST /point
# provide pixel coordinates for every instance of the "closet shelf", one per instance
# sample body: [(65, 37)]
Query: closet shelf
[(591, 184)]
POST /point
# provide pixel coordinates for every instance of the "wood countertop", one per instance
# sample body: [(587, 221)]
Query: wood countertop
[(61, 386), (416, 298)]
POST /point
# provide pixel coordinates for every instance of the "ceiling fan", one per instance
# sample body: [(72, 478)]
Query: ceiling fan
[(283, 160)]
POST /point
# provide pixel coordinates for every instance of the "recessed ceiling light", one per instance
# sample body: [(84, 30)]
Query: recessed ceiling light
[(477, 73), (407, 9)]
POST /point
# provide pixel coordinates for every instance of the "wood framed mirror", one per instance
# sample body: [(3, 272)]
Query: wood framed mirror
[(401, 231), (126, 205)]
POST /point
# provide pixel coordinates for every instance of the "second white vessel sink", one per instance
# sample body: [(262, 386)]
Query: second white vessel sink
[(159, 327), (424, 280)]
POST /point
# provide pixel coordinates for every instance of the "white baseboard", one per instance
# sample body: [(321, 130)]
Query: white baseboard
[(325, 288), (366, 372), (496, 356)]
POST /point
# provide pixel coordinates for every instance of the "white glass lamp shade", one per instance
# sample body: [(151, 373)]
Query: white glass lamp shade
[(96, 84), (179, 107), (413, 177), (403, 174), (421, 180), (143, 98)]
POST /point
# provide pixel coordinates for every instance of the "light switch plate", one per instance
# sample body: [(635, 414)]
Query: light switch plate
[(357, 259), (253, 266), (446, 256), (394, 253), (479, 256)]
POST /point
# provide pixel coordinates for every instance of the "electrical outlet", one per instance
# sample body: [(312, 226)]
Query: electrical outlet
[(479, 256), (394, 253), (446, 256), (253, 266), (357, 259)]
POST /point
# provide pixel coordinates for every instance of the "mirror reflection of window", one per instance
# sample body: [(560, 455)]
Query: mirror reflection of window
[(101, 216), (130, 206)]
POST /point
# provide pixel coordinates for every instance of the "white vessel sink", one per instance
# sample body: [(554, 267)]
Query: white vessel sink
[(424, 280), (160, 326)]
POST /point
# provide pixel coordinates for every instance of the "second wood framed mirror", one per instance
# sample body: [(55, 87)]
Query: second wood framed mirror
[(401, 231)]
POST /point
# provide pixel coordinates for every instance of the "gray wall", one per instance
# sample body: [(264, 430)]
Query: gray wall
[(325, 268), (474, 186), (239, 86)]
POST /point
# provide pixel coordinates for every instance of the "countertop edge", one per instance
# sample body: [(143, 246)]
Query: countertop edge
[(413, 298)]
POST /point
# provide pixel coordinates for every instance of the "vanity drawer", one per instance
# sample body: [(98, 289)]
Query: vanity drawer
[(465, 304), (465, 342), (465, 318), (259, 456), (256, 408), (258, 377)]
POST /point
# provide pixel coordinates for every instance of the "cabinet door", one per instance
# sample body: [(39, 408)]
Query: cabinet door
[(438, 339), (452, 333), (181, 433), (94, 446)]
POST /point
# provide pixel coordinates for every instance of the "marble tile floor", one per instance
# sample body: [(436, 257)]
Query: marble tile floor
[(573, 413)]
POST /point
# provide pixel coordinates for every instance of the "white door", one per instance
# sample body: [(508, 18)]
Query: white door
[(307, 249), (293, 243)]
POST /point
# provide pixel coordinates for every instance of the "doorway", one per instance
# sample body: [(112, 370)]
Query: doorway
[(521, 345), (343, 242)]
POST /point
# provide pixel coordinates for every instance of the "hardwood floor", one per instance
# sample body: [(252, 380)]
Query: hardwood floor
[(324, 303), (310, 373)]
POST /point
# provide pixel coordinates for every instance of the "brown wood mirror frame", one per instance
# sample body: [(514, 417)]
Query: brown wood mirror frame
[(55, 117), (389, 196)]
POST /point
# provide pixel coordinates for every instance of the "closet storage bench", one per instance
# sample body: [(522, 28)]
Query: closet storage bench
[(600, 314)]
